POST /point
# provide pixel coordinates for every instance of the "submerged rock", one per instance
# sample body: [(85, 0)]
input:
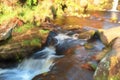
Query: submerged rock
[(109, 66)]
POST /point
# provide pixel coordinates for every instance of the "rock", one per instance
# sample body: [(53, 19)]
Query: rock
[(77, 64), (21, 44), (6, 30), (15, 51), (102, 54), (69, 45), (68, 68), (109, 66), (108, 35), (87, 34)]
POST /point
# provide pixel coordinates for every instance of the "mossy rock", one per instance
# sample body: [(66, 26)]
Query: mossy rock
[(109, 66)]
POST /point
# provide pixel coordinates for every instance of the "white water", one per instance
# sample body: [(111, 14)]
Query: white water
[(115, 4), (62, 37), (29, 67), (40, 62)]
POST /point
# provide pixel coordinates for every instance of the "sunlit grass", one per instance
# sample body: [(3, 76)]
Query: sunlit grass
[(23, 28), (43, 31), (6, 13), (37, 13), (33, 42)]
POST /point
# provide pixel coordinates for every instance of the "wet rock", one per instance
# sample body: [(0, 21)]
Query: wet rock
[(87, 34), (101, 54), (108, 68), (88, 46), (77, 64), (68, 44), (68, 68), (76, 50), (72, 44), (50, 39)]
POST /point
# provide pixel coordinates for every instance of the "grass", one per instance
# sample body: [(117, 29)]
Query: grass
[(33, 42), (31, 13), (6, 13), (43, 31), (24, 28)]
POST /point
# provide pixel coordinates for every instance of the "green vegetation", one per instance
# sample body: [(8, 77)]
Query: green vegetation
[(32, 2), (43, 31), (24, 28), (6, 13), (33, 42), (35, 11)]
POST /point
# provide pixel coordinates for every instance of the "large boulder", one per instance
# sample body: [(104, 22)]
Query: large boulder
[(108, 35), (68, 68), (109, 66), (19, 40), (77, 64)]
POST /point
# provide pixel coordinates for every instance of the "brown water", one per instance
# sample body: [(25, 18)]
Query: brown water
[(97, 19)]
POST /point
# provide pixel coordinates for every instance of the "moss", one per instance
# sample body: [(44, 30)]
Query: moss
[(88, 46), (3, 56), (24, 28), (116, 77), (26, 42), (18, 57), (102, 77), (43, 31), (33, 42)]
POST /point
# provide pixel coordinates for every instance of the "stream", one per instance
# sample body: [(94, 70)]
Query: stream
[(29, 67), (39, 63), (43, 60)]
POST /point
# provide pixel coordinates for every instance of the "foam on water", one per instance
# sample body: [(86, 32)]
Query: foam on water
[(62, 37), (29, 67), (39, 63)]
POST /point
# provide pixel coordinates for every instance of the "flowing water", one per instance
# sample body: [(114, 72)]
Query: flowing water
[(30, 67), (43, 60), (115, 4), (39, 63)]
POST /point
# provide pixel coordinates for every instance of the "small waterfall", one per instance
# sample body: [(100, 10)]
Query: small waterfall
[(115, 4), (30, 67), (41, 61)]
